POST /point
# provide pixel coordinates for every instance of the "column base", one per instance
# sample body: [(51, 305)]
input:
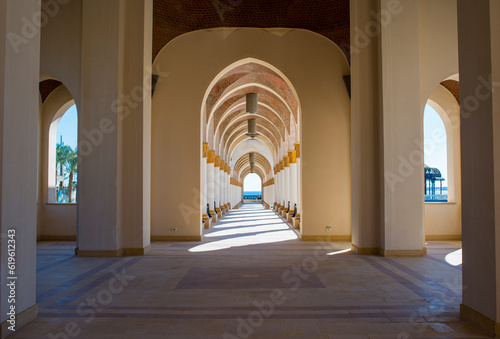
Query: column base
[(214, 216), (364, 250), (206, 221), (22, 319), (388, 253), (326, 237), (58, 238), (403, 253), (296, 221), (176, 238), (479, 321), (113, 253)]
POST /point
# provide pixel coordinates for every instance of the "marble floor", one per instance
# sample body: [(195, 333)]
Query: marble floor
[(250, 277)]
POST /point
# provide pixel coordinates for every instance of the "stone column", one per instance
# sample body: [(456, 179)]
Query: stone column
[(203, 188), (292, 155), (479, 55), (211, 184), (19, 114), (299, 178), (278, 189), (286, 186), (222, 187), (217, 186), (115, 128), (365, 172), (282, 186)]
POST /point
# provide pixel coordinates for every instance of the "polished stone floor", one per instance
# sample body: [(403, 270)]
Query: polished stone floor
[(249, 278)]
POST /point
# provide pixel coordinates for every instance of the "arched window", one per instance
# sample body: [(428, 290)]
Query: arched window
[(435, 157), (63, 165), (252, 187)]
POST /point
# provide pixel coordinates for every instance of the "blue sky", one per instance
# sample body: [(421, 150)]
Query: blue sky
[(437, 158), (68, 127), (252, 183)]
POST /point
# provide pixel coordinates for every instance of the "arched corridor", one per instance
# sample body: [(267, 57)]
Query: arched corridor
[(179, 101)]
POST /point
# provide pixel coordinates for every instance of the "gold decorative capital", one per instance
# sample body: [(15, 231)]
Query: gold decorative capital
[(205, 150), (211, 157), (282, 165), (286, 161), (297, 149), (222, 165), (217, 161), (292, 155)]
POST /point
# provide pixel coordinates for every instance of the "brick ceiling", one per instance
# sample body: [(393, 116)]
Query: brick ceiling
[(48, 86), (454, 88), (172, 18)]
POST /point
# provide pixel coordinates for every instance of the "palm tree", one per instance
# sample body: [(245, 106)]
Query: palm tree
[(62, 155), (71, 169)]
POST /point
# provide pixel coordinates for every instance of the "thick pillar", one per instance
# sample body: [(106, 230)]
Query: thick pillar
[(402, 233), (211, 184), (19, 107), (292, 155), (365, 170), (115, 128), (479, 55)]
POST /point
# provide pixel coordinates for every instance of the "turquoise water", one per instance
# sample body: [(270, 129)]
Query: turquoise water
[(251, 194)]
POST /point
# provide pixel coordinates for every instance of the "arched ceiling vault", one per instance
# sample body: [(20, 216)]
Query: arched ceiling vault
[(258, 171), (242, 138), (259, 159), (277, 116), (172, 18)]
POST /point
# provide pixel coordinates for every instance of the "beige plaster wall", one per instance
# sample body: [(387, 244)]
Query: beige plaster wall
[(61, 45), (438, 43), (315, 67), (443, 221)]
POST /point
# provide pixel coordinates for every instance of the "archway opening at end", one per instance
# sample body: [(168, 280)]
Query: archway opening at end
[(252, 188), (63, 163)]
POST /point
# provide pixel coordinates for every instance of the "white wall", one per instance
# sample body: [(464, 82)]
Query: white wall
[(269, 194)]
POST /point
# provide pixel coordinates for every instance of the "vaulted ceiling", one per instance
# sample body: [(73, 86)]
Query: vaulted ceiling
[(227, 119), (172, 18)]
